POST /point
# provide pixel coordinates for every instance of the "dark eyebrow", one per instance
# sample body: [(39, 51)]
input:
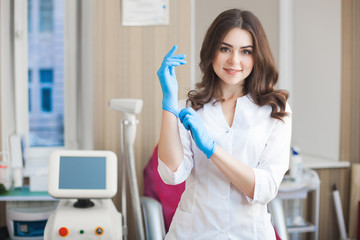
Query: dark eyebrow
[(229, 45), (247, 47), (226, 44)]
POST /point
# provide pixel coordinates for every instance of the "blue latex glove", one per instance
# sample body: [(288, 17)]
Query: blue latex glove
[(168, 82), (193, 122)]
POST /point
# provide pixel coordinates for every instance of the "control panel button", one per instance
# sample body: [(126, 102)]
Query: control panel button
[(99, 231), (63, 232)]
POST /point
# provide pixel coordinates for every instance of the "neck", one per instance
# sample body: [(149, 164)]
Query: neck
[(231, 94)]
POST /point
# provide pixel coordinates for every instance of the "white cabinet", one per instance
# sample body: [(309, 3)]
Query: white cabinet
[(292, 196), (26, 212)]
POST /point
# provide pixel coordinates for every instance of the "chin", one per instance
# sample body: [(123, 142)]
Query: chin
[(234, 82)]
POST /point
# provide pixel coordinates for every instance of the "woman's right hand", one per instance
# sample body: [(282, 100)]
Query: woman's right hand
[(193, 123), (168, 82)]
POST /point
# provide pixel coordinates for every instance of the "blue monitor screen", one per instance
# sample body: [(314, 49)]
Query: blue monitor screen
[(82, 173)]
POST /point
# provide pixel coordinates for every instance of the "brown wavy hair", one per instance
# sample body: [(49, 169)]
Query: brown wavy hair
[(261, 81)]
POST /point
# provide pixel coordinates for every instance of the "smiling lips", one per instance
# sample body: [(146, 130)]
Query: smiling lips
[(232, 71)]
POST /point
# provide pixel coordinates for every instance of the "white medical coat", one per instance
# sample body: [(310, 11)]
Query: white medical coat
[(211, 207)]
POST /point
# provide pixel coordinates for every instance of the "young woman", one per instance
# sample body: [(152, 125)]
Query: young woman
[(232, 143)]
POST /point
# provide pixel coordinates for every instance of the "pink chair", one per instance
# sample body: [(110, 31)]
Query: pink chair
[(168, 195)]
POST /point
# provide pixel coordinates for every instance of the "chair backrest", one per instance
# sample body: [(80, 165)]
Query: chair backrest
[(153, 219), (278, 218)]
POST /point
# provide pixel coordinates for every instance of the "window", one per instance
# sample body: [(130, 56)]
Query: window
[(46, 99), (46, 75), (29, 75), (29, 99), (29, 92), (46, 85), (46, 58), (29, 15), (39, 77), (46, 15)]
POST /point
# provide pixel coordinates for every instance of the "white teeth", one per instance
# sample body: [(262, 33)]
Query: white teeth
[(232, 70)]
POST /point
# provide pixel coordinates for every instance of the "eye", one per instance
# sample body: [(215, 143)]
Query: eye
[(246, 52), (225, 49)]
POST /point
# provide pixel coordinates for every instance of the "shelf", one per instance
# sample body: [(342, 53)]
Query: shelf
[(300, 229), (323, 163), (298, 190), (24, 194), (290, 191)]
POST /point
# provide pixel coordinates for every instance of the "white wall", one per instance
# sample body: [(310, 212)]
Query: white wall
[(316, 87)]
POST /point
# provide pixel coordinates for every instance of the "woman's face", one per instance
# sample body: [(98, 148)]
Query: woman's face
[(234, 59)]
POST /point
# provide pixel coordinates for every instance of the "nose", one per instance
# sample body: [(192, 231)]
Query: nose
[(234, 58)]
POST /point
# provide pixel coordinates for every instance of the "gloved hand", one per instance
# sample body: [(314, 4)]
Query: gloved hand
[(193, 122), (168, 82)]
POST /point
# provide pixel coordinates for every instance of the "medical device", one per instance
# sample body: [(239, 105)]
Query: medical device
[(85, 181), (129, 107)]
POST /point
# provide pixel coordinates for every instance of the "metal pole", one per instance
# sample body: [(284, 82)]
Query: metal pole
[(134, 186), (123, 182)]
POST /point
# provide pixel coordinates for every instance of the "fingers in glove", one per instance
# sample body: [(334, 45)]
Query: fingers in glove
[(175, 60), (186, 111), (179, 56), (172, 51), (174, 63), (186, 121), (187, 117)]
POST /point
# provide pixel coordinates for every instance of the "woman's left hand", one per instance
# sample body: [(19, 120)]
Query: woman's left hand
[(192, 121)]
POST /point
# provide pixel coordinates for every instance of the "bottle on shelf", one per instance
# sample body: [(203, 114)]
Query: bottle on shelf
[(296, 165)]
